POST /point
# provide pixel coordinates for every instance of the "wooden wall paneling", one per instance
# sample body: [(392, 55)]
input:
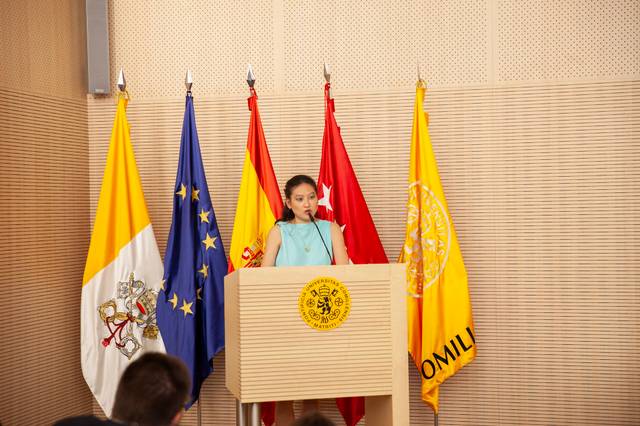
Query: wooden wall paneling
[(540, 183), (43, 241)]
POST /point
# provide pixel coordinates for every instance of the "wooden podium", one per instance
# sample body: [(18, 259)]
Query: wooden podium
[(273, 355)]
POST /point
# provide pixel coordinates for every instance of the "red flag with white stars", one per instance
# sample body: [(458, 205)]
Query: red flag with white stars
[(341, 200)]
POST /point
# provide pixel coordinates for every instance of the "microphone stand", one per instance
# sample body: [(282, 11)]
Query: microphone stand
[(313, 220)]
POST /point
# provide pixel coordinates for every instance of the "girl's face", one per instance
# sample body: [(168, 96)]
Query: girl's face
[(303, 201)]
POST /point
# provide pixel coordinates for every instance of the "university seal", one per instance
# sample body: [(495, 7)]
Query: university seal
[(324, 303)]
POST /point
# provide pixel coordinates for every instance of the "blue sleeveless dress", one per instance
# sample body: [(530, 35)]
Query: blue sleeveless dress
[(301, 244)]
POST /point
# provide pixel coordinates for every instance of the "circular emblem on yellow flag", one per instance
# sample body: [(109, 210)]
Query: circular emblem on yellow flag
[(429, 239), (324, 303)]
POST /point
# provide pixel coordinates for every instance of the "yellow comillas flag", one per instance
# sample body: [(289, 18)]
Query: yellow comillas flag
[(440, 324), (259, 201), (122, 276)]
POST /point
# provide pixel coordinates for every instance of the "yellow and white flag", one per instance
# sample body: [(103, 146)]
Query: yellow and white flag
[(122, 276), (440, 324)]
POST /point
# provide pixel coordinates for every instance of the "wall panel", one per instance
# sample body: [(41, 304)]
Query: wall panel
[(371, 46), (533, 110), (44, 173), (559, 40), (540, 181), (43, 46), (43, 243)]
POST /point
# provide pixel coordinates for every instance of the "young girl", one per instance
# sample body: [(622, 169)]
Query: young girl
[(295, 241)]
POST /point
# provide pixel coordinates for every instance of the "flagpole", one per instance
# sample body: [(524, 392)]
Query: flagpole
[(252, 409), (188, 82), (421, 81), (244, 412)]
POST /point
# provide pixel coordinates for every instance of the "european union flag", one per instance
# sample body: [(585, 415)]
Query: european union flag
[(191, 308)]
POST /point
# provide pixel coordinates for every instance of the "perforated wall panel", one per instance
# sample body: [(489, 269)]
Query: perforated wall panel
[(559, 40), (372, 45)]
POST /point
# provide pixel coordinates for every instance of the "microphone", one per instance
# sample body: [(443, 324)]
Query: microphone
[(313, 220)]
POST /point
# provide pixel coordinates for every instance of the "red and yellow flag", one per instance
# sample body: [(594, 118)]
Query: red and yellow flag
[(259, 205), (259, 201), (440, 324)]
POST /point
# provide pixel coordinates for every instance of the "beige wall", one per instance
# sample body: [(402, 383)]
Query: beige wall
[(43, 46), (44, 175), (534, 113), (534, 116)]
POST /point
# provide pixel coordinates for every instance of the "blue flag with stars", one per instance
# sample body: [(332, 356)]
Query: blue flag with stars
[(191, 308)]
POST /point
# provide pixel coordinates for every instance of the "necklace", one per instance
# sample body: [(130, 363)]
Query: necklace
[(301, 232)]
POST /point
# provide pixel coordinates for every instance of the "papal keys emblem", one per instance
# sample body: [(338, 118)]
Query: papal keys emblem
[(324, 303), (130, 314)]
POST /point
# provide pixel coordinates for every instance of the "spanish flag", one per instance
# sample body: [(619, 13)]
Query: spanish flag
[(122, 276), (440, 324), (259, 201), (259, 205)]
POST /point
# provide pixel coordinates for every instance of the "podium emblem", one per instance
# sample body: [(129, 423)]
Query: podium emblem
[(324, 303)]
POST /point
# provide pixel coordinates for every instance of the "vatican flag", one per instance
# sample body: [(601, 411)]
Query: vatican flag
[(122, 275), (440, 324)]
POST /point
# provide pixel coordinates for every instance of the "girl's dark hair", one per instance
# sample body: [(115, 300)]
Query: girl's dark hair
[(287, 213)]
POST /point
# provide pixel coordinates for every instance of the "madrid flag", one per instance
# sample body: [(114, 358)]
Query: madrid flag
[(122, 275), (440, 324), (341, 201)]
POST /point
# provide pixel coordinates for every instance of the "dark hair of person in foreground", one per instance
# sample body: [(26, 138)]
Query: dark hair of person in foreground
[(152, 391)]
